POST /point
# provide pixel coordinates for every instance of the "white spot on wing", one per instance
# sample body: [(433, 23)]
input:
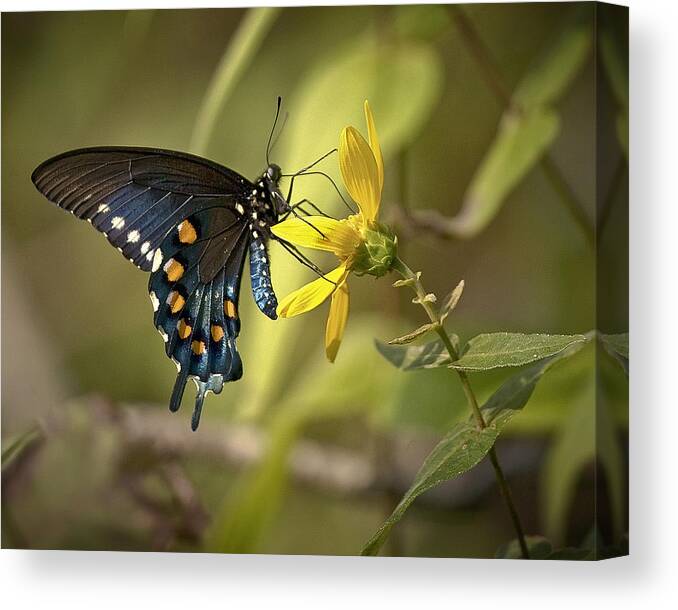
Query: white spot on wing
[(145, 246), (118, 222), (163, 334), (157, 260), (133, 236), (239, 209), (103, 208), (154, 300), (149, 255)]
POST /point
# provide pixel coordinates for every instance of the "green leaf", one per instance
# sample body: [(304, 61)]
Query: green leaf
[(618, 347), (459, 451), (466, 445), (537, 546), (521, 141), (514, 393), (494, 350), (409, 337), (547, 81), (451, 301), (16, 446), (402, 81), (527, 130), (409, 358)]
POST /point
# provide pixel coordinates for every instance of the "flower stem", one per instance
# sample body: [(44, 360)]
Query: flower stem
[(415, 282)]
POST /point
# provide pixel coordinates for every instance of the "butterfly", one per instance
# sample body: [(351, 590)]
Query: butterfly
[(191, 223)]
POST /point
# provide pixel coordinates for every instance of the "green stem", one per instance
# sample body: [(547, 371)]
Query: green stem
[(426, 303), (236, 59)]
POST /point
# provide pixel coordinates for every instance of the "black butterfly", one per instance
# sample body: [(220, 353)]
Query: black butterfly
[(190, 222)]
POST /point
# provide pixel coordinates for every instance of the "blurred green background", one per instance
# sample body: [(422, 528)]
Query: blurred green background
[(504, 131)]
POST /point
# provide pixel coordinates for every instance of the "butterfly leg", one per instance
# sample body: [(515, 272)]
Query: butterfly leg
[(304, 260), (289, 191), (334, 185), (303, 202), (310, 224)]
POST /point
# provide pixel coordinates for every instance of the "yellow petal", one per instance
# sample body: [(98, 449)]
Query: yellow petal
[(359, 171), (319, 232), (310, 296), (374, 145), (336, 321)]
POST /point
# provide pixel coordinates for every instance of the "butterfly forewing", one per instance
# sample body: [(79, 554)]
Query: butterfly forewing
[(135, 196)]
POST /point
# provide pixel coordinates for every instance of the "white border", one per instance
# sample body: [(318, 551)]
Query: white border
[(647, 578)]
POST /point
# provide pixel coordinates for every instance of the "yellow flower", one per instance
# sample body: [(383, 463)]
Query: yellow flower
[(362, 169)]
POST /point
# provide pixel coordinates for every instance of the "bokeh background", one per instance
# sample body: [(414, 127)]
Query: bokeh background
[(504, 131)]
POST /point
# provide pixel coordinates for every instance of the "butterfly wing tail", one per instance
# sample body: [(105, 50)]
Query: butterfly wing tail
[(178, 391), (214, 384)]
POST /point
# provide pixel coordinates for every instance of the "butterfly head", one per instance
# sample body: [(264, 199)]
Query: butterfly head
[(274, 173), (270, 181)]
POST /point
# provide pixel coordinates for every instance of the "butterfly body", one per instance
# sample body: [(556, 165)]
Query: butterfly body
[(191, 223)]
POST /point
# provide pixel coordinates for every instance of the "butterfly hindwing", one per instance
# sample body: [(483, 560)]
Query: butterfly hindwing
[(196, 312)]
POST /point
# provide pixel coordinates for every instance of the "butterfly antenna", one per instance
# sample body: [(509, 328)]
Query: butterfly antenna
[(305, 169), (334, 184), (304, 260), (282, 128), (270, 135)]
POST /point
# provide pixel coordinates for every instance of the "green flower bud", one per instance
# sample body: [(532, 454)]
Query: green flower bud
[(375, 254)]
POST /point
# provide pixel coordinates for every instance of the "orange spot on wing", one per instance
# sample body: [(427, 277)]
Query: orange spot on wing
[(217, 332), (184, 329), (187, 232), (174, 270), (198, 347), (175, 301), (229, 308)]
